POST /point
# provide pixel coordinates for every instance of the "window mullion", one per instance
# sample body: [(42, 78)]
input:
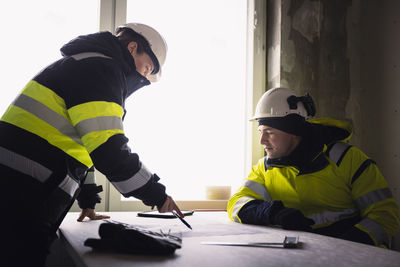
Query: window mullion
[(112, 13)]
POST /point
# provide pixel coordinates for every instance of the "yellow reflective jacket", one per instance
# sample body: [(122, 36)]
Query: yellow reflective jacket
[(335, 184)]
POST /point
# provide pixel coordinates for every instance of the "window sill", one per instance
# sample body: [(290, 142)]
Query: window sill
[(136, 205)]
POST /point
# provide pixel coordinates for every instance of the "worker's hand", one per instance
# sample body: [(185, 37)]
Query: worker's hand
[(91, 214), (170, 205), (292, 219), (356, 235)]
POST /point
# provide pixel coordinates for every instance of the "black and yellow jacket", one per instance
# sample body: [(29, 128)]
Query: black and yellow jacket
[(329, 181), (67, 120)]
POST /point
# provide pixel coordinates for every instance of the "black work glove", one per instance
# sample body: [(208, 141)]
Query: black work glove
[(356, 235), (291, 219), (88, 196), (125, 238)]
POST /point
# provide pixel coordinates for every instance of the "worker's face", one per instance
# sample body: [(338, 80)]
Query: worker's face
[(277, 143), (143, 62)]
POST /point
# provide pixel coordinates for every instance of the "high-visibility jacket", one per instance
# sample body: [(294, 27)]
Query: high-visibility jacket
[(328, 180), (67, 120)]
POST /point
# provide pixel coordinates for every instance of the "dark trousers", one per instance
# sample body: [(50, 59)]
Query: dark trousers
[(27, 244)]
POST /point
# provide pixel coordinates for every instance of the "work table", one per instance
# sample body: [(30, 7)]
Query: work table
[(315, 250)]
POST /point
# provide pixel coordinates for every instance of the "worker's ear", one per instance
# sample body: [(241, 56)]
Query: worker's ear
[(132, 47)]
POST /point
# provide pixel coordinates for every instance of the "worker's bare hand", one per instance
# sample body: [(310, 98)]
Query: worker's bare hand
[(91, 214), (170, 205)]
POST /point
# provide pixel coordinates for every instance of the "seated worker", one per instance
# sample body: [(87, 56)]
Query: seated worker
[(312, 179)]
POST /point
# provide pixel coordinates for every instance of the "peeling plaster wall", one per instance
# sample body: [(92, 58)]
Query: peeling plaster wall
[(314, 58), (274, 43)]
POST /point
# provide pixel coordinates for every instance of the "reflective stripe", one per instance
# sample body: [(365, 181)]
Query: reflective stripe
[(94, 109), (32, 124), (135, 182), (24, 165), (331, 216), (337, 152), (85, 115), (361, 169), (69, 185), (95, 139), (26, 116), (90, 178), (258, 188), (238, 205), (84, 55), (34, 169), (376, 230), (99, 124), (46, 96), (47, 115), (372, 197)]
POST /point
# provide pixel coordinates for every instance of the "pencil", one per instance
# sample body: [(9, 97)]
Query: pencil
[(182, 220)]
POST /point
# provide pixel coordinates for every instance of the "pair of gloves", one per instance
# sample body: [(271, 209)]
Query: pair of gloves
[(275, 213), (124, 238), (293, 219)]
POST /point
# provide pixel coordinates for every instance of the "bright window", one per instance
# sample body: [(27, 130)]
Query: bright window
[(190, 127), (33, 33)]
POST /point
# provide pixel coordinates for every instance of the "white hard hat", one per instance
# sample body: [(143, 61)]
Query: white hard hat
[(279, 102), (157, 44)]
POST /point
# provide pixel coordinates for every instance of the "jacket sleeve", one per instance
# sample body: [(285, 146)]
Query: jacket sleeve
[(259, 212), (252, 202), (373, 197), (127, 173), (88, 196)]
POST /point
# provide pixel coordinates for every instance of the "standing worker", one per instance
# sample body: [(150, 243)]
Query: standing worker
[(312, 179), (66, 121)]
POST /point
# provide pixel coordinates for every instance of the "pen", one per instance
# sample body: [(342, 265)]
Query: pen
[(182, 220)]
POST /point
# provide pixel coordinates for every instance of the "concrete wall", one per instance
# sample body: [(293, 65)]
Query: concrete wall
[(313, 50), (346, 54), (380, 88)]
